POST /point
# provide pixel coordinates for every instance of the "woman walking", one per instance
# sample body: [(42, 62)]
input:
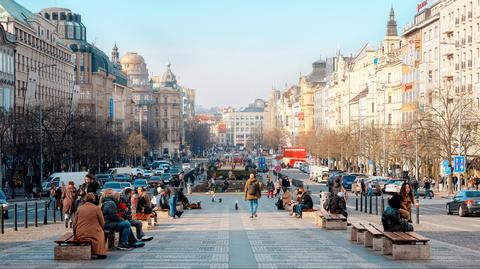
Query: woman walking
[(69, 197)]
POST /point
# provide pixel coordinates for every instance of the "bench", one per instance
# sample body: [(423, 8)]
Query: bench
[(308, 213), (148, 222), (373, 237), (162, 213), (70, 249), (357, 233), (406, 246), (331, 221), (110, 238)]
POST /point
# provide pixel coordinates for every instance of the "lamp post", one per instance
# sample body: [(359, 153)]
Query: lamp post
[(41, 117)]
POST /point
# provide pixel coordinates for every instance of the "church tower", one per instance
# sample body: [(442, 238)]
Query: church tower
[(115, 55), (392, 24)]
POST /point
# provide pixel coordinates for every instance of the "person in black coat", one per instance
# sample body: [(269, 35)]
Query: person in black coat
[(391, 220), (306, 202), (285, 184), (90, 186)]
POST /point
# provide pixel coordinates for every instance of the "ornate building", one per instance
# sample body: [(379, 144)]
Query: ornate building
[(44, 63), (103, 87), (7, 72)]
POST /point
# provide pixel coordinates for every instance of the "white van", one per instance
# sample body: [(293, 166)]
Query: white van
[(77, 177), (316, 172), (120, 170)]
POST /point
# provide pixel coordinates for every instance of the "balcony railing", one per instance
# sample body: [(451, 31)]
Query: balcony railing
[(463, 65), (447, 72), (457, 21), (463, 18)]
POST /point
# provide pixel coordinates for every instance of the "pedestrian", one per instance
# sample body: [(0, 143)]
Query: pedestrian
[(172, 201), (69, 208), (406, 193), (144, 202), (278, 187), (285, 184), (369, 188), (52, 191), (89, 185), (270, 188), (415, 186), (225, 185), (362, 186), (455, 183), (58, 195), (88, 225), (252, 194), (391, 220), (426, 189)]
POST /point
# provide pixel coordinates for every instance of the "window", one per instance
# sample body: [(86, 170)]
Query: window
[(389, 119), (165, 113), (373, 107), (389, 98), (389, 77), (55, 16)]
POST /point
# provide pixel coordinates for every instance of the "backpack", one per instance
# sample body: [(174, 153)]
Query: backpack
[(252, 188)]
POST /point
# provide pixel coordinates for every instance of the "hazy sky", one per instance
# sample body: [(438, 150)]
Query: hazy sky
[(230, 51)]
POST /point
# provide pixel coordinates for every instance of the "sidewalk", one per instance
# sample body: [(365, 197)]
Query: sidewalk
[(218, 236)]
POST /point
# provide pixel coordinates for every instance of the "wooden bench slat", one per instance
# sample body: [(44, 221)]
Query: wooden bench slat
[(373, 230), (309, 210), (65, 237), (393, 236), (418, 237), (405, 236)]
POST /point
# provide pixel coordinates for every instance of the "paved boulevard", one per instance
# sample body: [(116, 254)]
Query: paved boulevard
[(220, 237)]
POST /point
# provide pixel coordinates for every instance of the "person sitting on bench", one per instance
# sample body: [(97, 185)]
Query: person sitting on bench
[(162, 199), (114, 222), (88, 225), (287, 199), (125, 206), (391, 220), (306, 202)]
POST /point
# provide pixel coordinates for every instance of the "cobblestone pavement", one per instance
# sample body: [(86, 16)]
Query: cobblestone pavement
[(218, 236)]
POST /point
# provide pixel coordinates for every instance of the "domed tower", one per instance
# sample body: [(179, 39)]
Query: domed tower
[(392, 24), (134, 66), (168, 78)]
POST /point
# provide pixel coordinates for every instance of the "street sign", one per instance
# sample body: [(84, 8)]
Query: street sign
[(278, 168), (262, 162), (446, 167), (459, 164)]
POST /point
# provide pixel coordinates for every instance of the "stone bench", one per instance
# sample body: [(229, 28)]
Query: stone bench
[(373, 237), (70, 249), (406, 246), (110, 238), (162, 214), (357, 233), (148, 221), (330, 221), (308, 213)]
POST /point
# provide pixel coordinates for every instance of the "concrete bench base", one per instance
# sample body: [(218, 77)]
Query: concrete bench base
[(162, 214), (335, 225), (148, 224), (66, 252), (367, 239), (411, 252), (309, 214), (361, 237), (377, 243)]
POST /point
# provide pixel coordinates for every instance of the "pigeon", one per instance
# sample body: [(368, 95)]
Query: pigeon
[(236, 205)]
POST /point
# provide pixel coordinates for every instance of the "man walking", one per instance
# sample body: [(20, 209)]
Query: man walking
[(426, 187), (416, 186), (252, 194)]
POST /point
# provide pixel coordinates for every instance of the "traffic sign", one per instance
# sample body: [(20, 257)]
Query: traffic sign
[(459, 164), (278, 168), (446, 167)]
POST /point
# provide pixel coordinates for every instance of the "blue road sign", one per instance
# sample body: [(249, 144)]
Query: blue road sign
[(459, 164), (261, 162)]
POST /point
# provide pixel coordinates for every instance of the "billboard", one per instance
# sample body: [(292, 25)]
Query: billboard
[(295, 152)]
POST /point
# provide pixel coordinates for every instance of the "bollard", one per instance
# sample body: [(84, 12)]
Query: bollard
[(376, 204), (366, 203), (15, 217), (356, 203), (3, 222), (383, 205), (45, 213), (26, 215), (417, 205), (54, 214), (36, 214), (361, 202), (370, 209)]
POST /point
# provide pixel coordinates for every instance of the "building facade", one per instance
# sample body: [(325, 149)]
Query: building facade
[(245, 126), (44, 64), (7, 69)]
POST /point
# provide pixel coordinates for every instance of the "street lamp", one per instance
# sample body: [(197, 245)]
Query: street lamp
[(41, 117)]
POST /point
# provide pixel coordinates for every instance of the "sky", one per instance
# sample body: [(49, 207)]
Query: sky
[(234, 51)]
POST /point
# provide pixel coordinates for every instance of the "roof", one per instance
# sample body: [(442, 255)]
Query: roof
[(252, 109), (15, 10)]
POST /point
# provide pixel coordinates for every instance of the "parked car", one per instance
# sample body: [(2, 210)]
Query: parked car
[(102, 178), (464, 202), (421, 192), (357, 185), (148, 173), (126, 185), (186, 166), (139, 183), (174, 171), (154, 181), (115, 186), (347, 181), (394, 186), (4, 204), (166, 177), (138, 171), (122, 178)]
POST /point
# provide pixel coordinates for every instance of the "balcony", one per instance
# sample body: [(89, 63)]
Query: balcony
[(449, 28), (447, 72)]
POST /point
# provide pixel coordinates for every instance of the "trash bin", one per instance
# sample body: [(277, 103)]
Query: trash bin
[(324, 197)]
